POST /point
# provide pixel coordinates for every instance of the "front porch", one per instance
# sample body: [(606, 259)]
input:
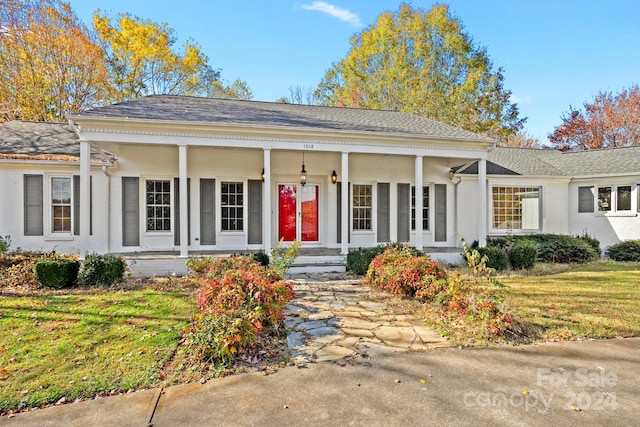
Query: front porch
[(310, 260)]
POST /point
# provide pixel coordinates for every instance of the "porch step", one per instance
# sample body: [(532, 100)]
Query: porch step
[(318, 264), (158, 266)]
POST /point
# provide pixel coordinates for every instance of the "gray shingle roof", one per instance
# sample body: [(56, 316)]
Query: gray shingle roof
[(276, 115), (547, 162), (28, 140), (38, 138)]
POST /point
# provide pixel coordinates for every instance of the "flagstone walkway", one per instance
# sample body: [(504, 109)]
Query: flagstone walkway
[(334, 320)]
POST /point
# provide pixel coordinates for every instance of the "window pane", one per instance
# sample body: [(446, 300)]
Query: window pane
[(61, 205), (624, 198), (231, 211), (516, 208), (158, 205), (604, 199), (362, 203)]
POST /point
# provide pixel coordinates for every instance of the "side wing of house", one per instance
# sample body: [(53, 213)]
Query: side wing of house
[(40, 206), (605, 207)]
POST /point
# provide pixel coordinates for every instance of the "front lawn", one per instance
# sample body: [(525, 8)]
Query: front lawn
[(597, 300), (78, 343)]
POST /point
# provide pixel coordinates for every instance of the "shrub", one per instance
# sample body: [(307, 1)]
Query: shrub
[(261, 257), (282, 260), (561, 248), (239, 301), (102, 270), (496, 257), (5, 244), (398, 271), (57, 273), (358, 261), (591, 240), (479, 309), (523, 255), (198, 265), (629, 250)]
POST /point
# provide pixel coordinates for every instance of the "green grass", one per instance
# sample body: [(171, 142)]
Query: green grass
[(597, 300), (77, 344)]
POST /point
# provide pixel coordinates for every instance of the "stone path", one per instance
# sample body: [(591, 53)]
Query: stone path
[(333, 320)]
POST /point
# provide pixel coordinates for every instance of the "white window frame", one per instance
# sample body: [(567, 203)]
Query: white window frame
[(614, 211), (145, 206), (495, 230), (48, 195), (427, 209), (372, 221), (244, 205)]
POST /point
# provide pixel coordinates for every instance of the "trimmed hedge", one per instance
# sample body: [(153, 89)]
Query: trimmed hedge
[(629, 250), (57, 273), (523, 255), (496, 258), (358, 261), (102, 270), (559, 248)]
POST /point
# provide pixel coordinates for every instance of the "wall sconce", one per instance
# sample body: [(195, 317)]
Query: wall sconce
[(262, 175), (303, 173), (334, 176)]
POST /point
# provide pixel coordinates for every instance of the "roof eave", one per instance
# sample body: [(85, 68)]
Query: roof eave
[(249, 129)]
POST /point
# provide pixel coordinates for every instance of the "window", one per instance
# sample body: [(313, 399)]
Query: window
[(516, 208), (425, 208), (362, 203), (158, 205), (604, 199), (623, 198), (61, 205), (232, 199)]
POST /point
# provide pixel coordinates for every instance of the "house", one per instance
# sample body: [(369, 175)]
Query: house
[(185, 175)]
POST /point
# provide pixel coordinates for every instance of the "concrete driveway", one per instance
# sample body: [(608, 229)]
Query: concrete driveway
[(589, 383)]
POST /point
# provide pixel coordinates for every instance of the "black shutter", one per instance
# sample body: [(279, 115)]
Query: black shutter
[(255, 212), (207, 211), (130, 211), (440, 213), (383, 213), (33, 205), (404, 212)]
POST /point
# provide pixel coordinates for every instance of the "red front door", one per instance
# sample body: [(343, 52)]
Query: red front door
[(293, 205)]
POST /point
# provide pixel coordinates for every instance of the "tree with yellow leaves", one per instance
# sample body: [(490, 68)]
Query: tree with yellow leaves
[(50, 66), (143, 61), (424, 63)]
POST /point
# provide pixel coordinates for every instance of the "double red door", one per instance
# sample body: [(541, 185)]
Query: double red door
[(298, 212)]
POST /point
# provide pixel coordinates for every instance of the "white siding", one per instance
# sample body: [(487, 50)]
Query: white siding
[(12, 209), (608, 227)]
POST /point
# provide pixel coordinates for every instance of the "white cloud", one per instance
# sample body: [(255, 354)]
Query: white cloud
[(342, 14), (521, 99)]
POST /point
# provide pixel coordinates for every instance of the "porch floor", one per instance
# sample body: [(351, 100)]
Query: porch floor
[(311, 260)]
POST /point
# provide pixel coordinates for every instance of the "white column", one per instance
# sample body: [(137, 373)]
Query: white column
[(184, 204), (85, 196), (266, 200), (419, 202), (482, 202), (345, 204)]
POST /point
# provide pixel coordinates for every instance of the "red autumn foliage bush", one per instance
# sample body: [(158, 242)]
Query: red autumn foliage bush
[(459, 302), (239, 301), (399, 272)]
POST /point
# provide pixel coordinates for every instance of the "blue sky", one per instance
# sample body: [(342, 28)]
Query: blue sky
[(554, 53)]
